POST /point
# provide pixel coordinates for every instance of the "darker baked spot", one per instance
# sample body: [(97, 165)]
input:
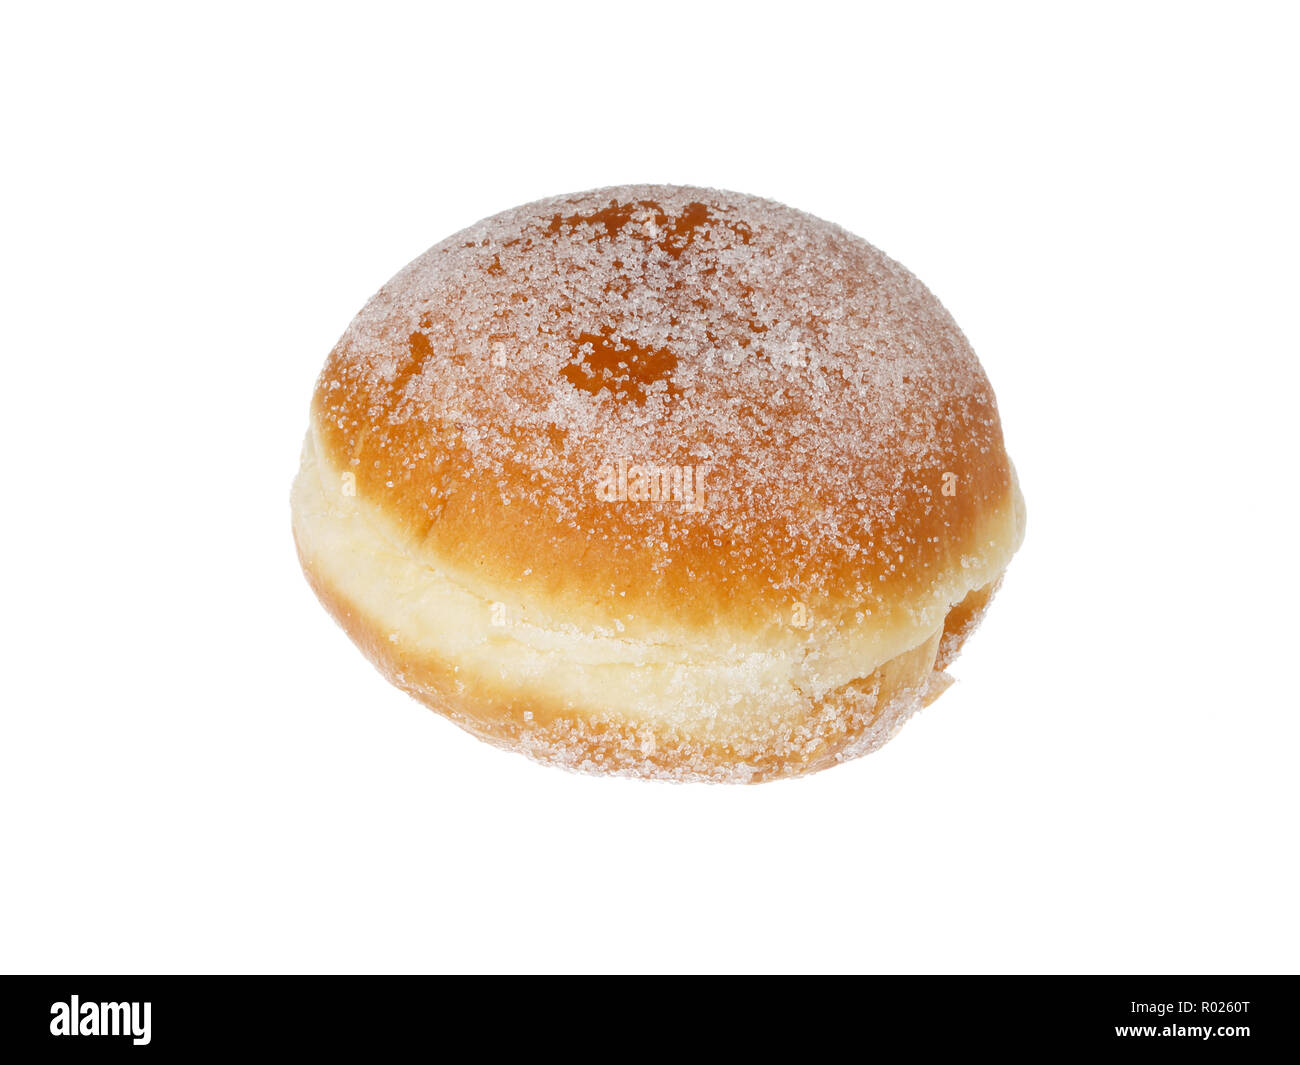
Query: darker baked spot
[(646, 220), (623, 367), (421, 351)]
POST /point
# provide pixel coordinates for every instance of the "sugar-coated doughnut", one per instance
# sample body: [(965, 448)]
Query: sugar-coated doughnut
[(658, 481)]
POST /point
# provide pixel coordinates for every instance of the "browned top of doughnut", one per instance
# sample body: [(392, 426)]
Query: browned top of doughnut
[(482, 395)]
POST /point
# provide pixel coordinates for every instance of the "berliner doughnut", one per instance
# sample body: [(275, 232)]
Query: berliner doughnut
[(658, 481)]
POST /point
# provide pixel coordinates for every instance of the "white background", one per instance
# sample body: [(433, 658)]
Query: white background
[(198, 772)]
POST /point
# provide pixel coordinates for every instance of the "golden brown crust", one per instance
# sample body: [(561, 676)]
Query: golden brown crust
[(453, 401)]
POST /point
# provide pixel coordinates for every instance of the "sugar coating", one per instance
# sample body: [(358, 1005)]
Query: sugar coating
[(823, 387)]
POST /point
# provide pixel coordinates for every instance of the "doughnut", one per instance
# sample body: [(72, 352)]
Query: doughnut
[(658, 481)]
